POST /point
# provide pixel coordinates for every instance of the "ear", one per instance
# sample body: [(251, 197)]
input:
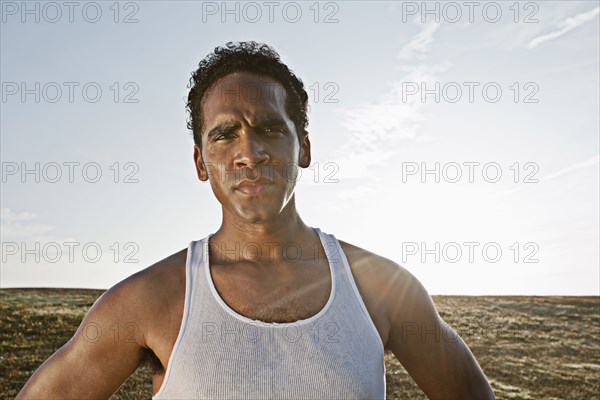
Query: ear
[(304, 159), (200, 167)]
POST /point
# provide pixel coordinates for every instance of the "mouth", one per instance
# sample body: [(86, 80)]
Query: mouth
[(253, 188)]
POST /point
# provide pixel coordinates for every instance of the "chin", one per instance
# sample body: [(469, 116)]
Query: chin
[(256, 215)]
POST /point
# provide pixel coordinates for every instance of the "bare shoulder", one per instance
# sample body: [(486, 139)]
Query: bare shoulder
[(146, 297), (159, 279), (391, 292), (376, 267), (155, 280), (162, 284)]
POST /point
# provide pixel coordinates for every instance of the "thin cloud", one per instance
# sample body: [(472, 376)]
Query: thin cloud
[(572, 168), (567, 25), (421, 43), (7, 215), (22, 227), (376, 130), (575, 167)]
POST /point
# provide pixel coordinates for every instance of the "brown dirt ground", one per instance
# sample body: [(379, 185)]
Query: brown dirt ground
[(528, 347)]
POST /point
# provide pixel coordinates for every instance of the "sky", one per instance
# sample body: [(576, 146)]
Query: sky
[(460, 140)]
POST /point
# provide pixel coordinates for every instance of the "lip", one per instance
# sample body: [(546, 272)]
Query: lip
[(252, 188)]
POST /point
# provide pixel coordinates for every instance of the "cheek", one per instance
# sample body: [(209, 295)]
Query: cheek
[(290, 173), (219, 172)]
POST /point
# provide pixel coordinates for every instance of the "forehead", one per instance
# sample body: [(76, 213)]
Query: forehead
[(243, 94)]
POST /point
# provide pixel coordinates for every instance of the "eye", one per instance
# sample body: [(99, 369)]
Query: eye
[(274, 129)]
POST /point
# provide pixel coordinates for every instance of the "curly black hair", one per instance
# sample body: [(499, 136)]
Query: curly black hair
[(257, 58)]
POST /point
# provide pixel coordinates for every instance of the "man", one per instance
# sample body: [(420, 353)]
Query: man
[(266, 307)]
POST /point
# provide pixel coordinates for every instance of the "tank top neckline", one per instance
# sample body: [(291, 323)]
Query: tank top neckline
[(206, 261)]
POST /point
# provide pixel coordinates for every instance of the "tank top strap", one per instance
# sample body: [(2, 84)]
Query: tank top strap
[(347, 291)]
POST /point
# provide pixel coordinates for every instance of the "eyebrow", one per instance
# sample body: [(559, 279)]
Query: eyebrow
[(270, 122), (230, 126), (225, 127)]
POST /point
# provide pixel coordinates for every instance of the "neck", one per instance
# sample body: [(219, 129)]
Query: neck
[(270, 241)]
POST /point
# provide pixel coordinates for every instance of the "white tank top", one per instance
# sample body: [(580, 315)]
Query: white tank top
[(220, 354)]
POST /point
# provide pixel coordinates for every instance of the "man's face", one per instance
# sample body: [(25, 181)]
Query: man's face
[(247, 135)]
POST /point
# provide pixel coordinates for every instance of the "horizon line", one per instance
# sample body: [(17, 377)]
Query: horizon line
[(431, 294)]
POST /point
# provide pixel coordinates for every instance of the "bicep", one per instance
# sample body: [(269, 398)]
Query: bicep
[(106, 348)]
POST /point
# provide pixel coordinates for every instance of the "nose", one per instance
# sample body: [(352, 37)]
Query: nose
[(250, 152)]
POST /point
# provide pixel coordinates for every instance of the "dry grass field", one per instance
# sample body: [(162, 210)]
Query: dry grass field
[(529, 347)]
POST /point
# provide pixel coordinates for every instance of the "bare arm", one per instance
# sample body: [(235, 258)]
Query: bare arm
[(107, 347), (433, 353)]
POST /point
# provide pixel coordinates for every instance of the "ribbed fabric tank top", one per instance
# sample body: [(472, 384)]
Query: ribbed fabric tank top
[(220, 354)]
